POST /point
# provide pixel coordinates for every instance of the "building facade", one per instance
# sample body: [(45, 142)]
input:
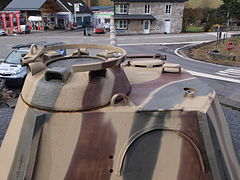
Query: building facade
[(102, 15), (145, 17), (52, 14)]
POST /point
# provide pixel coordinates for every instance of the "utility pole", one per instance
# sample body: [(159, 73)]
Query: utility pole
[(227, 24)]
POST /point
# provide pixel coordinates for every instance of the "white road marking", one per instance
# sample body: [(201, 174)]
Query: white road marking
[(159, 37), (227, 75), (237, 70), (210, 76), (227, 78), (179, 36), (194, 60), (135, 38), (158, 43), (235, 73)]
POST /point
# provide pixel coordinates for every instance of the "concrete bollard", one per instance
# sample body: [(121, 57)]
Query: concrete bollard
[(113, 39)]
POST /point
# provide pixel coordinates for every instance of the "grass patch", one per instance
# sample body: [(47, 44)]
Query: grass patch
[(201, 53), (202, 3), (194, 29)]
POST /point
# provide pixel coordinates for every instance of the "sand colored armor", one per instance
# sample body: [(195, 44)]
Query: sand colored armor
[(89, 116)]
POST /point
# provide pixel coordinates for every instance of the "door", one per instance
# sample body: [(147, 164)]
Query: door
[(146, 26), (167, 26)]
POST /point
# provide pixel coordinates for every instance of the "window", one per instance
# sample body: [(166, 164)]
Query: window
[(107, 21), (14, 57), (168, 9), (121, 24), (121, 9), (147, 9)]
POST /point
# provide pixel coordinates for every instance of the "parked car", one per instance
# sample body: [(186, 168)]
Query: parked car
[(99, 30), (11, 69), (24, 29), (2, 33)]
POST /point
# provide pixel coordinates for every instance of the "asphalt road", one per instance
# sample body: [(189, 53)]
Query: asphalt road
[(6, 42), (223, 84), (218, 71), (215, 76)]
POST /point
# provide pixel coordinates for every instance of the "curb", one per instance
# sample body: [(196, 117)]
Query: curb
[(223, 100), (229, 103), (179, 52)]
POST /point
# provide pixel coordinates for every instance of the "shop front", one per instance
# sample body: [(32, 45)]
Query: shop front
[(63, 20), (50, 14)]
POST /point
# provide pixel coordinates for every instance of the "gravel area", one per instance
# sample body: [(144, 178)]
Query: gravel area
[(233, 120), (5, 117), (200, 52)]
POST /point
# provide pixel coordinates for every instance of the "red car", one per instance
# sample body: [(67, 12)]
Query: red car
[(99, 30)]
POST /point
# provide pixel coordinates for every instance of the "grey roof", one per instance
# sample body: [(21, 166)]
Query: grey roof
[(149, 0), (24, 5), (4, 3), (83, 9), (135, 16), (32, 5), (102, 8)]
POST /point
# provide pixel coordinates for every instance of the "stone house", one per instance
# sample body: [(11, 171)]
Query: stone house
[(145, 17)]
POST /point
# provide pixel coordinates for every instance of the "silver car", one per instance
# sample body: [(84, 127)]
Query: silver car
[(11, 69), (2, 33)]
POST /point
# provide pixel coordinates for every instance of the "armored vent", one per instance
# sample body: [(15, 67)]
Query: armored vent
[(58, 73)]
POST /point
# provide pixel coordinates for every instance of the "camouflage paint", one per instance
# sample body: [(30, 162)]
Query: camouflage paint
[(92, 158), (163, 133), (136, 166)]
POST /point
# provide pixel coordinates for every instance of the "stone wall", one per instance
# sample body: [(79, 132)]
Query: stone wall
[(158, 11), (221, 57)]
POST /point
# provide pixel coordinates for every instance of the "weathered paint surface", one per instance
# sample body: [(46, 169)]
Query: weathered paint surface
[(170, 127)]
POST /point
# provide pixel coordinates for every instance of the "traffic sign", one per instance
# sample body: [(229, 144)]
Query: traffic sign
[(230, 46), (76, 7)]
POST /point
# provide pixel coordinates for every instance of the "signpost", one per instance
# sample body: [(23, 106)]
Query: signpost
[(230, 46), (76, 9)]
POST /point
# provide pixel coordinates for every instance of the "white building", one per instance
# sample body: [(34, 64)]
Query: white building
[(101, 16)]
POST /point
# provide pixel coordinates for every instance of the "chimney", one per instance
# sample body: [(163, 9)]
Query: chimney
[(89, 4)]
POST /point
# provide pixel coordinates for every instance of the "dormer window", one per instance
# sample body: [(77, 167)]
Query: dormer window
[(121, 9), (168, 9), (147, 9)]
